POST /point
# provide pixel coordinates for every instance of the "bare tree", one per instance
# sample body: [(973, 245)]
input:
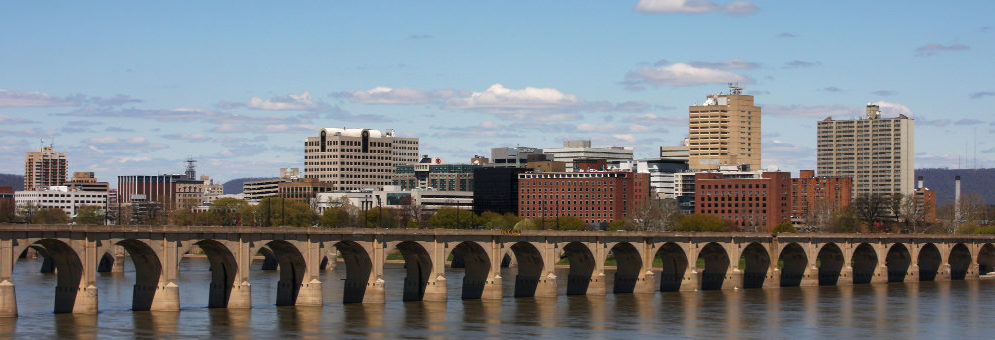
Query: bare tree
[(654, 214), (913, 213), (870, 207)]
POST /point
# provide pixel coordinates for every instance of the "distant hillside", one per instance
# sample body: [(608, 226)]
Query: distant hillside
[(13, 181), (235, 186), (978, 181)]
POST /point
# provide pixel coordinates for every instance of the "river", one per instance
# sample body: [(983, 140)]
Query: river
[(958, 309)]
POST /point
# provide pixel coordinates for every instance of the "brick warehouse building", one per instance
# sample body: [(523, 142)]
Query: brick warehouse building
[(819, 195), (595, 197), (752, 203)]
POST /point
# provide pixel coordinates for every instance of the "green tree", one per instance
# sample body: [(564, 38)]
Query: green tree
[(50, 216), (335, 218), (226, 211), (785, 227), (570, 223), (381, 217), (844, 221), (968, 228), (452, 218), (184, 217), (703, 222), (90, 214), (276, 211), (493, 220), (986, 230), (525, 224), (617, 225)]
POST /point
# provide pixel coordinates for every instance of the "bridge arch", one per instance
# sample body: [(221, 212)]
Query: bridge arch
[(292, 267), (418, 267), (68, 269), (148, 275), (270, 261), (864, 261), (358, 267), (530, 268), (628, 265), (986, 259), (675, 266), (831, 260), (929, 261), (716, 266), (582, 266), (223, 266), (898, 260), (960, 261), (757, 262), (794, 263), (477, 266)]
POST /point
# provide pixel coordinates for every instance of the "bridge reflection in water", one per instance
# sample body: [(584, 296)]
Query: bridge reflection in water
[(687, 262)]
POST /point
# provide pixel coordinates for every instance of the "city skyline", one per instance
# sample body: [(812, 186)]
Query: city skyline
[(136, 89)]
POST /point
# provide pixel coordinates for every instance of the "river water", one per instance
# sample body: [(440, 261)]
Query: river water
[(959, 309)]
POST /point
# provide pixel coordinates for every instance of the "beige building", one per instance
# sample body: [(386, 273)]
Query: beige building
[(44, 168), (725, 130), (86, 181), (878, 153), (357, 158), (581, 149)]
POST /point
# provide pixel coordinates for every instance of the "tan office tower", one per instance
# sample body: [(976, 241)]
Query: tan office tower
[(725, 130), (876, 152), (44, 168), (357, 158)]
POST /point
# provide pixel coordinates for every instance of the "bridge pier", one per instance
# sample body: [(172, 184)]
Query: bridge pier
[(912, 275), (811, 276), (880, 273), (943, 273), (8, 300), (646, 284), (436, 289), (846, 276), (773, 278), (734, 279), (166, 297), (692, 280)]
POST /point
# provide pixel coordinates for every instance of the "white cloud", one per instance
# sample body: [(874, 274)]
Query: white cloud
[(133, 159), (591, 127), (894, 109), (681, 74), (694, 6), (388, 95), (931, 49), (103, 140), (499, 99), (301, 101), (657, 119), (731, 64), (29, 99), (629, 138), (5, 119), (803, 111)]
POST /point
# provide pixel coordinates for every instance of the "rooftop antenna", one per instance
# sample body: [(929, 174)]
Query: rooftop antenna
[(735, 89), (191, 169)]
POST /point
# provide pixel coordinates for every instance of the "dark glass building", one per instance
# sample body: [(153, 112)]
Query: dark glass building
[(496, 190)]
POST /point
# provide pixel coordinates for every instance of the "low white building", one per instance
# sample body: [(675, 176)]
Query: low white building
[(582, 149), (60, 197), (392, 197)]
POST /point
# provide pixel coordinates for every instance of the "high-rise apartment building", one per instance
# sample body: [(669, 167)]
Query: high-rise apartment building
[(725, 130), (876, 152), (354, 159), (44, 168)]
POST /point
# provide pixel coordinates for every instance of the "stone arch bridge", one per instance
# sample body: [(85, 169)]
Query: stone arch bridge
[(684, 261)]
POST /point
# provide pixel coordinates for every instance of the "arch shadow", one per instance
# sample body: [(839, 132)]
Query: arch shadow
[(530, 268), (794, 263), (757, 263), (628, 264), (675, 266), (292, 267), (476, 266), (898, 261), (223, 272), (960, 261), (581, 267), (418, 265), (358, 267), (929, 262), (986, 259), (716, 266), (864, 262), (831, 261)]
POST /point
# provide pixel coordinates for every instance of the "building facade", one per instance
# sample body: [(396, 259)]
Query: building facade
[(60, 197), (7, 203), (813, 197), (44, 168), (427, 175), (662, 173), (684, 183), (496, 190), (160, 189), (595, 197), (878, 153), (352, 159), (573, 150), (258, 190), (753, 204), (725, 130), (85, 181), (516, 157)]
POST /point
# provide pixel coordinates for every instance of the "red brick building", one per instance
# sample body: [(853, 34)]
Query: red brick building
[(819, 195), (6, 203), (594, 197), (752, 203)]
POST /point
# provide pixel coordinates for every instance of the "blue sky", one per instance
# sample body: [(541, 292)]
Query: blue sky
[(135, 88)]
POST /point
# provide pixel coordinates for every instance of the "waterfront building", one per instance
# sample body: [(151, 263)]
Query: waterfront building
[(754, 204), (44, 168), (516, 157), (161, 189), (593, 196), (431, 173), (357, 158), (684, 183), (661, 171), (7, 203), (303, 189), (85, 181), (725, 130), (813, 197), (496, 190), (60, 197), (878, 153)]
